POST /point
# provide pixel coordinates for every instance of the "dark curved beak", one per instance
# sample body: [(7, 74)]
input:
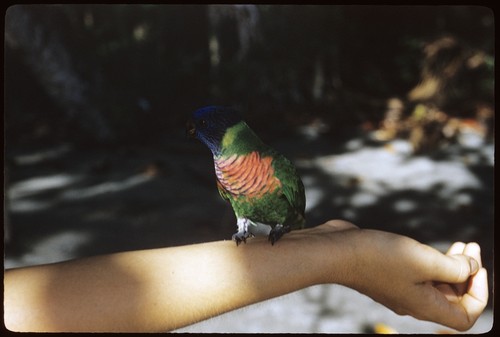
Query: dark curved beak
[(190, 129)]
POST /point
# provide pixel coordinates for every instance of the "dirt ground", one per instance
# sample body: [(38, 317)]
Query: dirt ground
[(65, 202)]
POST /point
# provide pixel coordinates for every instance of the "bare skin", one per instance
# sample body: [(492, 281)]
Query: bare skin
[(164, 289)]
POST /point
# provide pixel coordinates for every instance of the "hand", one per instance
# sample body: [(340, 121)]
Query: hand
[(471, 296), (414, 279)]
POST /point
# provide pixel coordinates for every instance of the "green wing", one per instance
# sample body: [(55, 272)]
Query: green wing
[(293, 188)]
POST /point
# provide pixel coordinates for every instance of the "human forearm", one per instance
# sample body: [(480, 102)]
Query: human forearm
[(161, 289)]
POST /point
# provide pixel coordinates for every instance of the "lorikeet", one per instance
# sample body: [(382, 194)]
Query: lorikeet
[(263, 187)]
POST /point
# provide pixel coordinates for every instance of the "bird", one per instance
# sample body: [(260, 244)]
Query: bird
[(262, 186)]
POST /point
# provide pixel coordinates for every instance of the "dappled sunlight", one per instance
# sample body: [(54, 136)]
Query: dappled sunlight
[(405, 205), (106, 187), (38, 157), (83, 211), (37, 185), (384, 185), (389, 123), (385, 169), (59, 247), (20, 192), (313, 194), (20, 206)]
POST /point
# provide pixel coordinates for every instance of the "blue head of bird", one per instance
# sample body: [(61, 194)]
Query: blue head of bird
[(209, 124)]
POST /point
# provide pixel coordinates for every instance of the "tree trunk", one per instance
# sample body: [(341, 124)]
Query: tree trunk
[(51, 63)]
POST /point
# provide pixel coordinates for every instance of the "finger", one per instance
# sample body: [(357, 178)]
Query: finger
[(456, 248), (473, 250), (470, 249), (454, 292), (454, 268), (474, 302), (476, 298), (450, 292), (461, 314)]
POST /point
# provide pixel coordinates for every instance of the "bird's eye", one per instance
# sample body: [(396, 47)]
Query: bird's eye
[(203, 123)]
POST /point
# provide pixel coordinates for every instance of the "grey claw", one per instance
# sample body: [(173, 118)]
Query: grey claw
[(277, 232), (239, 238)]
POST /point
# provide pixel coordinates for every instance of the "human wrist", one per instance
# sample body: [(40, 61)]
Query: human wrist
[(328, 251)]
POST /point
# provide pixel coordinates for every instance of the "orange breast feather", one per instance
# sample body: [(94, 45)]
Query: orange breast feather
[(247, 175)]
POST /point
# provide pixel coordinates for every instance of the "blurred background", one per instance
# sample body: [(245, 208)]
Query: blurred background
[(387, 112)]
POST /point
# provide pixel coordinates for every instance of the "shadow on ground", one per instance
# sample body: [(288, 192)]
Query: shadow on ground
[(65, 202)]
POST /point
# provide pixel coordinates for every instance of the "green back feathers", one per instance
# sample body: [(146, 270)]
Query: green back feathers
[(293, 188)]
